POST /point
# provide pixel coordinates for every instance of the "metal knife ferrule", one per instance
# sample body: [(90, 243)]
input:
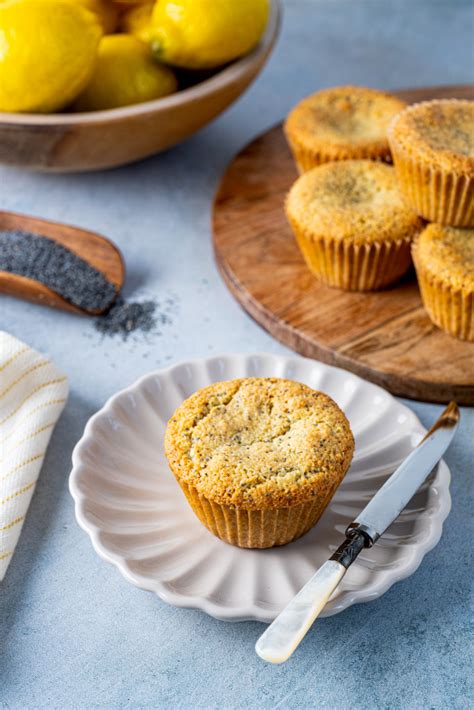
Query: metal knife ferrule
[(370, 533), (281, 638), (350, 548)]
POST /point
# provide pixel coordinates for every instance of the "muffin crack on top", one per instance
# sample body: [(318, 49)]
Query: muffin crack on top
[(259, 441)]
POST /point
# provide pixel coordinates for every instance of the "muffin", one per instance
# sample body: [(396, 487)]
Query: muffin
[(433, 150), (352, 225), (259, 459), (444, 261), (343, 123)]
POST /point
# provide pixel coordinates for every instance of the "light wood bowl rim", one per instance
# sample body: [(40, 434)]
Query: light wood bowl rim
[(226, 76)]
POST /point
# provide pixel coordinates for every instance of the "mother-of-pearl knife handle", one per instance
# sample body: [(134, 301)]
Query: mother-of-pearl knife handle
[(281, 638)]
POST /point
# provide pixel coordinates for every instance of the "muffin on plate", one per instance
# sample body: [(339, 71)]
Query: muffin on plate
[(342, 123), (352, 225), (444, 262), (259, 459), (433, 150)]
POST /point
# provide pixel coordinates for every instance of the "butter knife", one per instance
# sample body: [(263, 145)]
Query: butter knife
[(282, 637)]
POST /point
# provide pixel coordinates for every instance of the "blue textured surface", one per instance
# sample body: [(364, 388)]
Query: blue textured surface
[(73, 633)]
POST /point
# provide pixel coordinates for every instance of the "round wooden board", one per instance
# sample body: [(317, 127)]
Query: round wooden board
[(385, 337)]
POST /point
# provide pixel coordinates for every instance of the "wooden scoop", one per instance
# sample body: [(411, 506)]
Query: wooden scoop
[(96, 250)]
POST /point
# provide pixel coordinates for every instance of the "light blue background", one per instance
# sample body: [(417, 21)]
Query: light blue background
[(73, 633)]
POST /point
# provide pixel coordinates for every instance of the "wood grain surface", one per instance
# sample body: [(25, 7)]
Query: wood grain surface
[(384, 336), (93, 248)]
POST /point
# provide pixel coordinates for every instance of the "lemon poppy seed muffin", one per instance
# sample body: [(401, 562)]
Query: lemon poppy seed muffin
[(259, 459), (444, 261), (433, 150), (342, 123), (352, 225)]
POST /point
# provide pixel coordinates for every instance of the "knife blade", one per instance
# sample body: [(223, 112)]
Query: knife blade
[(282, 637)]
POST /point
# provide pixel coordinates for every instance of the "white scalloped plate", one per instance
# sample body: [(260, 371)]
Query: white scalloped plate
[(137, 517)]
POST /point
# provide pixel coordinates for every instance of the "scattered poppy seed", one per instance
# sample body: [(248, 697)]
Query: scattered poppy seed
[(124, 318), (42, 259)]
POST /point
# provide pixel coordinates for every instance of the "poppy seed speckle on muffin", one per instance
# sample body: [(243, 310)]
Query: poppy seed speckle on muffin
[(251, 447)]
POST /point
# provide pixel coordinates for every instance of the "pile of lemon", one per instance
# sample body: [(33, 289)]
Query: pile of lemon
[(88, 55)]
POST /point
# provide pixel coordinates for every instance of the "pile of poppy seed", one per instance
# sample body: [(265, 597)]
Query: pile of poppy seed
[(74, 279), (124, 318)]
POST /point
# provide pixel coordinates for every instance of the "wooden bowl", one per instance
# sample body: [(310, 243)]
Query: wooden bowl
[(68, 142)]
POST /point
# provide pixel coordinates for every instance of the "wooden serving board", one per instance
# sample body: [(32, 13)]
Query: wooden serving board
[(384, 336)]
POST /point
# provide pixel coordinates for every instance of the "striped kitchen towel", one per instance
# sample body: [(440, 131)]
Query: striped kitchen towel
[(33, 393)]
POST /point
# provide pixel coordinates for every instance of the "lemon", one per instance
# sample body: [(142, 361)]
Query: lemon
[(47, 53), (200, 34), (105, 10), (126, 73), (136, 21)]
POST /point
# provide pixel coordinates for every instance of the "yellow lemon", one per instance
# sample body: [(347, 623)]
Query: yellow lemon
[(126, 73), (136, 21), (201, 34), (47, 53), (105, 10)]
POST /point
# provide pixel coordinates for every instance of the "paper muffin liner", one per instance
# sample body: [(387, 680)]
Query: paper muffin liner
[(449, 308), (367, 266), (262, 528), (439, 196), (307, 159)]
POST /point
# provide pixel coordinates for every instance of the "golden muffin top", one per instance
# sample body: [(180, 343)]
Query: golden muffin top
[(351, 199), (447, 253), (259, 442), (342, 117), (440, 132)]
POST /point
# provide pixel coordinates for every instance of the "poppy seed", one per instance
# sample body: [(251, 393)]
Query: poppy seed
[(57, 267)]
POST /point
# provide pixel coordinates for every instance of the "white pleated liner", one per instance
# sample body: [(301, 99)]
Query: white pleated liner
[(33, 392)]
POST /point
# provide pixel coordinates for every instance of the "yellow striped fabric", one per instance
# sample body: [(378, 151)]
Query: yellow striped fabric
[(33, 393)]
